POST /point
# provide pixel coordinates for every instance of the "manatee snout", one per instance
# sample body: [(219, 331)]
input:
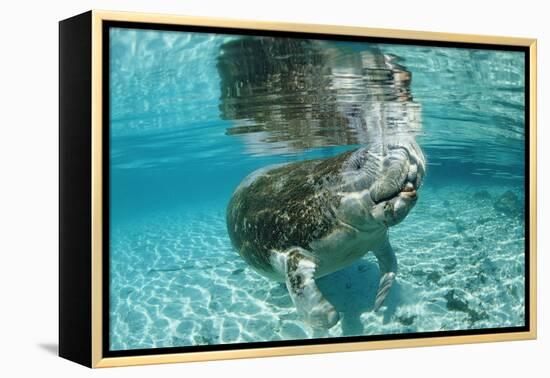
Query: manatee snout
[(401, 168), (395, 192)]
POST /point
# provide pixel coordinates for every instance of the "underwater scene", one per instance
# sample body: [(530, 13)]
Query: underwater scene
[(268, 188)]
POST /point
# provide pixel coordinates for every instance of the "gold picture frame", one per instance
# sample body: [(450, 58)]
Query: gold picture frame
[(81, 255)]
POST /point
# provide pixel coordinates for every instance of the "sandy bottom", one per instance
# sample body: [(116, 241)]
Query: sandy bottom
[(176, 281)]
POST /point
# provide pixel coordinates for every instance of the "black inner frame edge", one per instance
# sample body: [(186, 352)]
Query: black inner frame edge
[(106, 25)]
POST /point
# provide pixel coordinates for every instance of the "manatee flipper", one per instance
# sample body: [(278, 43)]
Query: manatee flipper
[(387, 263), (298, 266)]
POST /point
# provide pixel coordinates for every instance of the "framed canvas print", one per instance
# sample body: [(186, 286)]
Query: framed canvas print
[(234, 189)]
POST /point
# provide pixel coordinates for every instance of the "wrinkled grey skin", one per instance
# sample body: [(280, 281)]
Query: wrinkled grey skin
[(300, 221)]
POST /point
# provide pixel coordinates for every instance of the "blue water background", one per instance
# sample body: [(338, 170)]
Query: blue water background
[(174, 167)]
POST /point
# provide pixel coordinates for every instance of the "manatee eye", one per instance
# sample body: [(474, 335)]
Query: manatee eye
[(356, 163), (357, 160)]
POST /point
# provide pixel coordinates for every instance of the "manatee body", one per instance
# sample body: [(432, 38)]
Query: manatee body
[(299, 221)]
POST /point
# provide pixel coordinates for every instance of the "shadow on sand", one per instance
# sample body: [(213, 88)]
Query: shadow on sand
[(353, 290)]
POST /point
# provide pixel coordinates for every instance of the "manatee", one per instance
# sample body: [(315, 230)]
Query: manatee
[(300, 221)]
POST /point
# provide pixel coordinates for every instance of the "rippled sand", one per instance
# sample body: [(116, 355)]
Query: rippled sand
[(176, 281)]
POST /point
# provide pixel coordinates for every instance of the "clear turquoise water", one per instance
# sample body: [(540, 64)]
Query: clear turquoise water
[(177, 155)]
